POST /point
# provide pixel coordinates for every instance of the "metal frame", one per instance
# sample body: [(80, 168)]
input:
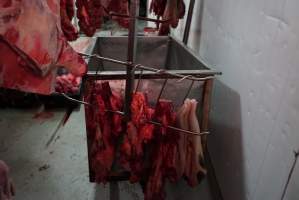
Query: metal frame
[(152, 73)]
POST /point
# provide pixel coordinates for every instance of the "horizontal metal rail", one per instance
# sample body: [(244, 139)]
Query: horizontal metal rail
[(195, 75), (179, 130)]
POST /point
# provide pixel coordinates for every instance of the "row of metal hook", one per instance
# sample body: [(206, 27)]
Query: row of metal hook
[(152, 69), (159, 71), (179, 130)]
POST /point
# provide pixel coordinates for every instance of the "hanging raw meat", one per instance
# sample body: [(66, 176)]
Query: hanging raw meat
[(141, 114), (152, 154), (182, 122), (67, 13), (139, 132), (89, 13), (31, 49), (103, 128), (158, 7), (171, 10), (84, 14), (194, 168), (97, 13), (164, 153), (68, 84), (190, 147), (6, 186), (120, 7)]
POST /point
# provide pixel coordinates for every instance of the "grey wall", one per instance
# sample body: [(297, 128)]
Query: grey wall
[(255, 115)]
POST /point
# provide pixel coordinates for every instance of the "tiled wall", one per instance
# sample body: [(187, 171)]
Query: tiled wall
[(255, 115)]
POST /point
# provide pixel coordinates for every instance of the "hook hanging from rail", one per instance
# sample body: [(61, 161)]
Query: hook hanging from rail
[(138, 81), (188, 91), (179, 130), (151, 69), (161, 91)]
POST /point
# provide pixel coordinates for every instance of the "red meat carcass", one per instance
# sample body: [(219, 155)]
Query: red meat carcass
[(103, 128), (139, 132), (164, 153), (171, 10), (66, 14), (32, 45), (120, 7)]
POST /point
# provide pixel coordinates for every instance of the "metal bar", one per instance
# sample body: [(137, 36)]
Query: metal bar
[(181, 130), (188, 22), (161, 91), (188, 92), (175, 73), (114, 14), (212, 178), (168, 72), (75, 100), (154, 20), (114, 190), (207, 95), (296, 156), (132, 47), (139, 81), (152, 122), (170, 127), (104, 58), (197, 75)]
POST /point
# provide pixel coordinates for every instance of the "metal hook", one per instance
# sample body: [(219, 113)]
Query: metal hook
[(161, 91), (139, 80), (180, 80), (75, 100), (137, 67), (188, 92), (160, 71)]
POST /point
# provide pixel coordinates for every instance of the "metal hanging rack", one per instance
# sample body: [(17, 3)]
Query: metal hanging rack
[(149, 121), (146, 72)]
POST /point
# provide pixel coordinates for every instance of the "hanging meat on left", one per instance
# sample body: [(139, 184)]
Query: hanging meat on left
[(120, 7), (138, 134), (67, 12), (151, 154), (103, 128), (89, 13), (170, 10), (32, 46)]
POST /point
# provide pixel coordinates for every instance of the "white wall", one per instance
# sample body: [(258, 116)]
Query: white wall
[(255, 115)]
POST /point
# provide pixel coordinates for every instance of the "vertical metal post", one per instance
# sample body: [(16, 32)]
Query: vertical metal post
[(207, 94), (212, 179), (188, 22), (132, 45)]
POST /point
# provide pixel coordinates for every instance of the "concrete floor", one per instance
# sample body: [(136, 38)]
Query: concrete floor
[(60, 171)]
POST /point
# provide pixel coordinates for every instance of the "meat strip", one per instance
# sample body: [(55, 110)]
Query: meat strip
[(66, 15), (138, 134), (103, 128), (194, 159), (30, 49), (163, 155)]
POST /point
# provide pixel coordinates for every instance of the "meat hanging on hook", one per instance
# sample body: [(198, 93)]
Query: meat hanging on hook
[(66, 14), (172, 10)]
